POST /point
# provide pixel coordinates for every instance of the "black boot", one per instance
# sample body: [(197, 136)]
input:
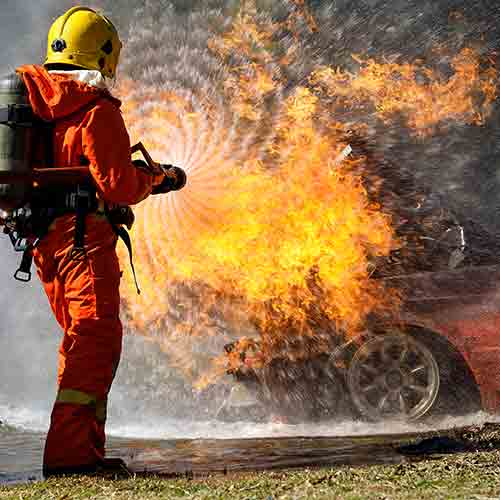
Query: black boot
[(106, 466)]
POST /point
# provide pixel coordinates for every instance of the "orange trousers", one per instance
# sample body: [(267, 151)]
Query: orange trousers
[(84, 296)]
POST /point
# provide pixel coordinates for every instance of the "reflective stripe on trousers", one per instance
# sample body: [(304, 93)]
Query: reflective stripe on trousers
[(82, 398)]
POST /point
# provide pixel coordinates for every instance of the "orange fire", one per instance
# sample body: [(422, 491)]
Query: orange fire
[(419, 93), (276, 238)]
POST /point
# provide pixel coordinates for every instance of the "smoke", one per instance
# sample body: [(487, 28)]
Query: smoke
[(167, 48), (458, 165)]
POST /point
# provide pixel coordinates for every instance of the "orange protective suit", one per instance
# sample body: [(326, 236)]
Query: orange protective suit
[(84, 293)]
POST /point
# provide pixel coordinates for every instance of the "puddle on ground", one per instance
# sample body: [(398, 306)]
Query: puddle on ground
[(21, 451)]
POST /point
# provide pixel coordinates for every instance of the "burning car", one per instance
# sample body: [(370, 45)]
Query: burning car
[(439, 357)]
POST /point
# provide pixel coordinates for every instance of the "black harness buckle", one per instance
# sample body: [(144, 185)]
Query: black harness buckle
[(23, 276), (19, 244)]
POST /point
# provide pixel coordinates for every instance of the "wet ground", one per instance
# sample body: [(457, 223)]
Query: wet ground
[(21, 451)]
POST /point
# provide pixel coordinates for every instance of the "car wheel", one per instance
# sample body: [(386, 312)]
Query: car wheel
[(397, 376)]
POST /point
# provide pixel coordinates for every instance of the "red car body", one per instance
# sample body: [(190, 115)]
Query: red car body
[(463, 306)]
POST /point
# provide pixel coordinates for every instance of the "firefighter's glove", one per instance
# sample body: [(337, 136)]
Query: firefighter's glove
[(142, 165), (174, 180)]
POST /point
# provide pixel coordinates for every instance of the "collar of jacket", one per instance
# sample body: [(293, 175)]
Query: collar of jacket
[(90, 77)]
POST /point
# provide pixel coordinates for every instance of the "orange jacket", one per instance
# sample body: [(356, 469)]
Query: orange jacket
[(88, 125)]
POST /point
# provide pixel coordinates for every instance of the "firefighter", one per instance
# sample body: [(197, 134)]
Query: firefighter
[(70, 92)]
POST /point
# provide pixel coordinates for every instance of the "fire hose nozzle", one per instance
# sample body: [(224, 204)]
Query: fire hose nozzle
[(175, 179)]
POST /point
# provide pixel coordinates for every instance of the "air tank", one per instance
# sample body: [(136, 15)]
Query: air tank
[(16, 139)]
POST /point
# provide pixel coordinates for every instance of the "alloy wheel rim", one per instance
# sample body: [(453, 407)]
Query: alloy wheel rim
[(393, 376)]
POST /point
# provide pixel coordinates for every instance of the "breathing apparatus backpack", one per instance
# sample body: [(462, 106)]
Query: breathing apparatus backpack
[(17, 135), (28, 208)]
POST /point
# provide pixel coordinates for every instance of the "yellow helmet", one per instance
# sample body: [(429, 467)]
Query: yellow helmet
[(86, 39)]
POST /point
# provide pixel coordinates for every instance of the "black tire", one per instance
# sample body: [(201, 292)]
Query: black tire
[(459, 393)]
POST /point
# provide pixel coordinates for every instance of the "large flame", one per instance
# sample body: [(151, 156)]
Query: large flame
[(279, 237), (419, 93)]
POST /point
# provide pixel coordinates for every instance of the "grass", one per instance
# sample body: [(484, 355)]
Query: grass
[(472, 475)]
